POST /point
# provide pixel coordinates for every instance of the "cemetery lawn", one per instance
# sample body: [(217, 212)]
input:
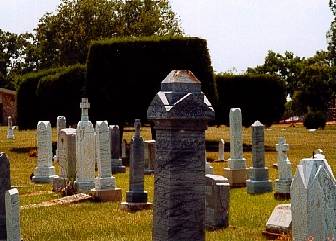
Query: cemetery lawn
[(105, 222)]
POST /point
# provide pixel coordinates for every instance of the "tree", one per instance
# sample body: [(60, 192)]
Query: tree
[(63, 38), (331, 34), (17, 56)]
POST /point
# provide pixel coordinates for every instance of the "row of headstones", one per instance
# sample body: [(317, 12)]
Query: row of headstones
[(9, 204)]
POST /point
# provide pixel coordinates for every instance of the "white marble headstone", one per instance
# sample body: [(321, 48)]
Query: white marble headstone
[(13, 215)]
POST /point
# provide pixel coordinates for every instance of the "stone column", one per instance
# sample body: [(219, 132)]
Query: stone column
[(5, 185), (236, 172), (136, 197), (13, 215), (116, 161), (258, 174), (180, 112), (105, 188), (10, 130), (283, 183), (60, 124), (217, 202), (45, 171), (221, 145), (85, 151)]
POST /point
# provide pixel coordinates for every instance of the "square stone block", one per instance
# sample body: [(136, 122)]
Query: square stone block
[(254, 187), (108, 195), (236, 177), (258, 174)]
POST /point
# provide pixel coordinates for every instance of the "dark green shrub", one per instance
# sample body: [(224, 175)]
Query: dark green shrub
[(260, 97), (315, 120), (46, 94), (125, 74)]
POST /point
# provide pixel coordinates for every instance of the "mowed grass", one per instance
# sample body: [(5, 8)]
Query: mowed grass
[(104, 221)]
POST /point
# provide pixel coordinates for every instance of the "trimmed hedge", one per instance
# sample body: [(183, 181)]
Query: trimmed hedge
[(315, 120), (260, 97), (44, 95), (125, 74)]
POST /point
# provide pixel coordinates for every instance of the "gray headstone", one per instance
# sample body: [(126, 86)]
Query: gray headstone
[(85, 151), (280, 221), (10, 130), (67, 153), (45, 171), (180, 112), (116, 161), (60, 124), (313, 201), (5, 185), (258, 174), (217, 201), (103, 152), (136, 193), (149, 156), (221, 145), (13, 215)]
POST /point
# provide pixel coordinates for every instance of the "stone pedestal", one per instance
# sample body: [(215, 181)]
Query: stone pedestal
[(258, 174), (105, 186), (136, 193), (116, 161), (217, 202), (85, 151), (236, 171), (45, 171), (180, 112)]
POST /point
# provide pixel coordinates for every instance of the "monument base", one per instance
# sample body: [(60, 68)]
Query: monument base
[(118, 169), (108, 195), (254, 187), (84, 186), (44, 179), (133, 207), (220, 160), (136, 197), (282, 186), (236, 177)]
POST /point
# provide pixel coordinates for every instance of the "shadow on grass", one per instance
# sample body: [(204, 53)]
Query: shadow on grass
[(212, 146), (22, 149)]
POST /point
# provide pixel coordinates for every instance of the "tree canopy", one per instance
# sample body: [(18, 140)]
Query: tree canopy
[(63, 37)]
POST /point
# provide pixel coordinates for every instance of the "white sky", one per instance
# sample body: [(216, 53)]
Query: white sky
[(239, 32)]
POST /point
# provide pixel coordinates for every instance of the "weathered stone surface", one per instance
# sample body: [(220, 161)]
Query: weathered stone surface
[(60, 124), (13, 215), (221, 145), (180, 112), (45, 171), (208, 168), (236, 162), (10, 130), (280, 221), (116, 161), (313, 200), (5, 185), (217, 201), (282, 184), (105, 185), (258, 174), (136, 193), (85, 151), (149, 156)]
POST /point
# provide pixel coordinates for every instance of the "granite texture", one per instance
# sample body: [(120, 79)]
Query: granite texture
[(313, 200), (5, 185), (45, 171), (13, 215), (280, 221), (258, 174), (180, 112)]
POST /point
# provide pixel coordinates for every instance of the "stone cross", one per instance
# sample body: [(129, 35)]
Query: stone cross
[(221, 145), (236, 172), (85, 151), (45, 171), (85, 106), (13, 215), (313, 201), (282, 184), (5, 185), (258, 174), (180, 112), (10, 130)]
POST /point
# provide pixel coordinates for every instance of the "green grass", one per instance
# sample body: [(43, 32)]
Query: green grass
[(104, 221)]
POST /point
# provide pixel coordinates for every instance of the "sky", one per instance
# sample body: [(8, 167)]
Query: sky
[(239, 32)]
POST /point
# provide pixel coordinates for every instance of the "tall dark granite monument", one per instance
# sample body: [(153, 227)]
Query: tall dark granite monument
[(180, 112)]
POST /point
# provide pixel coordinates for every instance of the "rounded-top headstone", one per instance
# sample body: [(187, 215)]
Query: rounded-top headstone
[(257, 124)]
